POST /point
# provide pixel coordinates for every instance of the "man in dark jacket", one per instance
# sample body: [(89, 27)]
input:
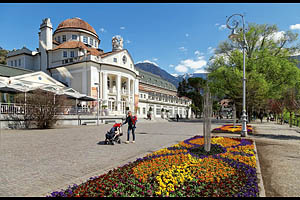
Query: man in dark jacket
[(131, 126)]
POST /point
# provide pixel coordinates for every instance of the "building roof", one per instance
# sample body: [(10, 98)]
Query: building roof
[(77, 44), (8, 71), (75, 23), (150, 78), (110, 53)]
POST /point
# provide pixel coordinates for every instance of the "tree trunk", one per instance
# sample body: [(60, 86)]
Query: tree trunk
[(291, 120)]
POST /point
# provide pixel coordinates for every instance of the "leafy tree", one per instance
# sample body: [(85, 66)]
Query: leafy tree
[(192, 89), (269, 69)]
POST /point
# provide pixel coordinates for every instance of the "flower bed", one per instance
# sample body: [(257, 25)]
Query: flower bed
[(229, 128), (184, 169)]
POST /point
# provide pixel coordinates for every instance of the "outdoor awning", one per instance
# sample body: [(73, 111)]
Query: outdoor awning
[(87, 98)]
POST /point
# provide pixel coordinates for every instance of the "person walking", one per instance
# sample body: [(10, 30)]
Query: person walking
[(261, 116), (131, 120), (177, 117)]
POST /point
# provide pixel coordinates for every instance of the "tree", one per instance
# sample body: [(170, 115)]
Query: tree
[(192, 89), (290, 102), (42, 108), (269, 69)]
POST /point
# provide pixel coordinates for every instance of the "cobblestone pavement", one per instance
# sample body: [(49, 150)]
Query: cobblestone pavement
[(37, 162)]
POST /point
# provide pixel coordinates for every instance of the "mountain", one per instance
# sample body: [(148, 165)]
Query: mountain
[(155, 69), (175, 79)]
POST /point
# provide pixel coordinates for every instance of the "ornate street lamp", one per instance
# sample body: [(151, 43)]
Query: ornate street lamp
[(233, 24), (97, 84)]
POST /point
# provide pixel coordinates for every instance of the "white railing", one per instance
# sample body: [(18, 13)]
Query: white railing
[(15, 108), (12, 108)]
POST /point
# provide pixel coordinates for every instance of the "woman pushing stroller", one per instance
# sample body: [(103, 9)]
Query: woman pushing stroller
[(131, 120)]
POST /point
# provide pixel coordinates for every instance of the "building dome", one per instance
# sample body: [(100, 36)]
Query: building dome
[(75, 23)]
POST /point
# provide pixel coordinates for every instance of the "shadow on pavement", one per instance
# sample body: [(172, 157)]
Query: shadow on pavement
[(279, 137), (101, 143)]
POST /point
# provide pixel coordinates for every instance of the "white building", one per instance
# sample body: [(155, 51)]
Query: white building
[(71, 55), (160, 96)]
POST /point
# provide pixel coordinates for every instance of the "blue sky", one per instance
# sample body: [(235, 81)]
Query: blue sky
[(179, 38)]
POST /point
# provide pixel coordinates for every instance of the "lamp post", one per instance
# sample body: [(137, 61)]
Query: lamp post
[(97, 84), (233, 24)]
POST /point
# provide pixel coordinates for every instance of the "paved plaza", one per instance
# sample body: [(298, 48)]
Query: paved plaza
[(37, 162)]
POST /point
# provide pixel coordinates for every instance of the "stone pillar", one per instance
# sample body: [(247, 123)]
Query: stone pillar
[(105, 98), (129, 93), (118, 84), (154, 111), (173, 111), (136, 94)]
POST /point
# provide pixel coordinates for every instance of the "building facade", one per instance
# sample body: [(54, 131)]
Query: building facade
[(71, 55), (159, 97)]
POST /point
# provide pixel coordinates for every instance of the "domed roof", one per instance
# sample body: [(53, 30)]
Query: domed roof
[(76, 23)]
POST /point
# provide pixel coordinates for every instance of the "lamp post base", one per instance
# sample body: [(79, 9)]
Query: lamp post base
[(244, 125)]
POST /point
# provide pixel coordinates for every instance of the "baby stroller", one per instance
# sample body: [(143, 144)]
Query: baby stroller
[(114, 134)]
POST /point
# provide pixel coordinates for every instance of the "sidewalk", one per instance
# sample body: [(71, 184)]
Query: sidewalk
[(278, 149)]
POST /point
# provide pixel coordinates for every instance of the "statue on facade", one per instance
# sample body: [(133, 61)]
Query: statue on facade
[(117, 43)]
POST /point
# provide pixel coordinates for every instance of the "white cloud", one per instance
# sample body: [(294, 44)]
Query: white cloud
[(187, 35), (102, 30), (211, 50), (122, 27), (275, 36), (295, 27), (182, 49), (174, 75), (181, 68), (192, 64), (217, 24), (171, 65), (201, 71), (198, 53), (128, 41), (222, 27)]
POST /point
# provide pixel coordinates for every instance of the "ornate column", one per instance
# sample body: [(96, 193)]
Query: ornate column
[(136, 93), (118, 84), (105, 99), (173, 107), (129, 93)]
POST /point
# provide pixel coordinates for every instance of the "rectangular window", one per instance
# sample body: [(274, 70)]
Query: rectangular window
[(64, 38), (74, 37), (19, 62), (115, 60), (11, 63), (158, 111), (72, 54), (16, 63), (85, 39), (144, 111), (95, 43), (91, 41), (58, 39), (65, 54)]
